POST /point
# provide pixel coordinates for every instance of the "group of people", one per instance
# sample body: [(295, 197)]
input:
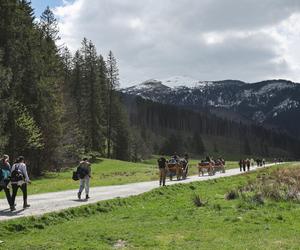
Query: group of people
[(163, 166), (12, 178), (246, 163)]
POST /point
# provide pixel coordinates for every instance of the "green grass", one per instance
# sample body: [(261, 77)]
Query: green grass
[(104, 173), (165, 218)]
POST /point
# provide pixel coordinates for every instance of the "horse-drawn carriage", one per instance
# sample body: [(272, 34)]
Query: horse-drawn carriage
[(178, 168), (211, 167)]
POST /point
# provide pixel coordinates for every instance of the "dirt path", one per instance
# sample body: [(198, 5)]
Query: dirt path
[(55, 201)]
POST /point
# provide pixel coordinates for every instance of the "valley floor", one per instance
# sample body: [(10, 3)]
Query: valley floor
[(166, 218), (55, 201)]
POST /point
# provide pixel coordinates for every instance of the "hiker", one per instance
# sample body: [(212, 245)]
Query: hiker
[(84, 174), (244, 165), (19, 179), (241, 164), (5, 178), (248, 164), (162, 166)]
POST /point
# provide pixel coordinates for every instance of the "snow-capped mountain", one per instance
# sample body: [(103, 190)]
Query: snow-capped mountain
[(272, 102)]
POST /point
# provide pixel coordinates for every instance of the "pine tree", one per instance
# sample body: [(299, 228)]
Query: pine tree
[(113, 83), (5, 78), (197, 144), (49, 25)]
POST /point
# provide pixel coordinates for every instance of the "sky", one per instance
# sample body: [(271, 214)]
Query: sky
[(248, 40)]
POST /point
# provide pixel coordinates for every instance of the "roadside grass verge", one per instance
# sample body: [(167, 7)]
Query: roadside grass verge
[(183, 216), (105, 172)]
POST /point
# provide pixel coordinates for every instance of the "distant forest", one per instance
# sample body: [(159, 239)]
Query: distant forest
[(56, 107), (178, 129)]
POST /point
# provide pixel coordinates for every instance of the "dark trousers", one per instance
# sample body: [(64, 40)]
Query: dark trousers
[(7, 193), (248, 167), (15, 188), (162, 176)]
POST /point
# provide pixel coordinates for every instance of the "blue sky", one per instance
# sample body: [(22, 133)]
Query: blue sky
[(40, 5)]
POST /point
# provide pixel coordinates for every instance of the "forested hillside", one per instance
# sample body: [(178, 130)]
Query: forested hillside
[(172, 129), (55, 107)]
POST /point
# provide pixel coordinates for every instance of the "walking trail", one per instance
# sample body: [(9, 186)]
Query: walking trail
[(55, 201)]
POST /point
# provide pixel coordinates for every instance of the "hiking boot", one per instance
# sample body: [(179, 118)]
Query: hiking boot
[(87, 197), (26, 205), (79, 195), (13, 208)]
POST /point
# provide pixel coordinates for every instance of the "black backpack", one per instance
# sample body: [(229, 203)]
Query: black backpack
[(16, 175), (161, 162), (82, 171)]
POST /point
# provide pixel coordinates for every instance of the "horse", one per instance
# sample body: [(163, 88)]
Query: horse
[(207, 166), (175, 168), (219, 165), (185, 168)]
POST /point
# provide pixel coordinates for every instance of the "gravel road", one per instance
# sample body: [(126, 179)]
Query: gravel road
[(55, 201)]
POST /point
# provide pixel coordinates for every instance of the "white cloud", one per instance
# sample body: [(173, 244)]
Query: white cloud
[(209, 39)]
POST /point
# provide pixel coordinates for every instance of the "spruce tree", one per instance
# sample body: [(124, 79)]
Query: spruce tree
[(113, 83)]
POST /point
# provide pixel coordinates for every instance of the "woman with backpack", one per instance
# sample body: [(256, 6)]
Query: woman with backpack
[(19, 179), (5, 178)]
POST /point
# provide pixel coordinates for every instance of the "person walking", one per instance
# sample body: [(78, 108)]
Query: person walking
[(241, 165), (84, 175), (244, 165), (19, 179), (162, 166), (5, 178), (248, 164)]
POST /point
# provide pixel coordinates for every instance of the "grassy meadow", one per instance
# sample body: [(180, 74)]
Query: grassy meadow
[(105, 172), (183, 216)]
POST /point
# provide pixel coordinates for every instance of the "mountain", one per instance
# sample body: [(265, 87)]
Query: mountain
[(271, 103)]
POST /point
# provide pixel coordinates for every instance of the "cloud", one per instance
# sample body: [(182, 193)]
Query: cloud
[(249, 40)]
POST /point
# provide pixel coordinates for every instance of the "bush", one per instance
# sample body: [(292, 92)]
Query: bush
[(198, 202), (232, 195)]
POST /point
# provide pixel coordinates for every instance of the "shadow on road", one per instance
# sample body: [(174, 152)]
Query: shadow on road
[(7, 212)]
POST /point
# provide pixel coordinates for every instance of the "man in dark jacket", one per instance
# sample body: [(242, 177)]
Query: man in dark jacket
[(162, 166)]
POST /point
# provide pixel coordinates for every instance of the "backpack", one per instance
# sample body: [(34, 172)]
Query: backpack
[(82, 171), (161, 163), (4, 173), (16, 174)]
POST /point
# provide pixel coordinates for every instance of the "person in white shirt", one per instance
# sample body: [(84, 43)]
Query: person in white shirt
[(19, 179)]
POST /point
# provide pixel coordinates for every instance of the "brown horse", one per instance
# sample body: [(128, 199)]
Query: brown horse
[(175, 169), (206, 166), (219, 166)]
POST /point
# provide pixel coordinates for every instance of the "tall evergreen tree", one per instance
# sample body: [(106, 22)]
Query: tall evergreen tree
[(197, 144), (113, 83)]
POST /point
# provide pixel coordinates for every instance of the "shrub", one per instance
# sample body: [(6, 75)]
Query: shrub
[(198, 202), (232, 195)]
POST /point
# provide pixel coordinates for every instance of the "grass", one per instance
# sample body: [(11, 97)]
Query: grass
[(183, 216), (104, 173)]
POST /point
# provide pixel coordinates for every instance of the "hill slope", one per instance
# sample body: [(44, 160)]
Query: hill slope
[(272, 103)]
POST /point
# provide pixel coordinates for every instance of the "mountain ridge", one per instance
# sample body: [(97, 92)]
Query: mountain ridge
[(273, 102)]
